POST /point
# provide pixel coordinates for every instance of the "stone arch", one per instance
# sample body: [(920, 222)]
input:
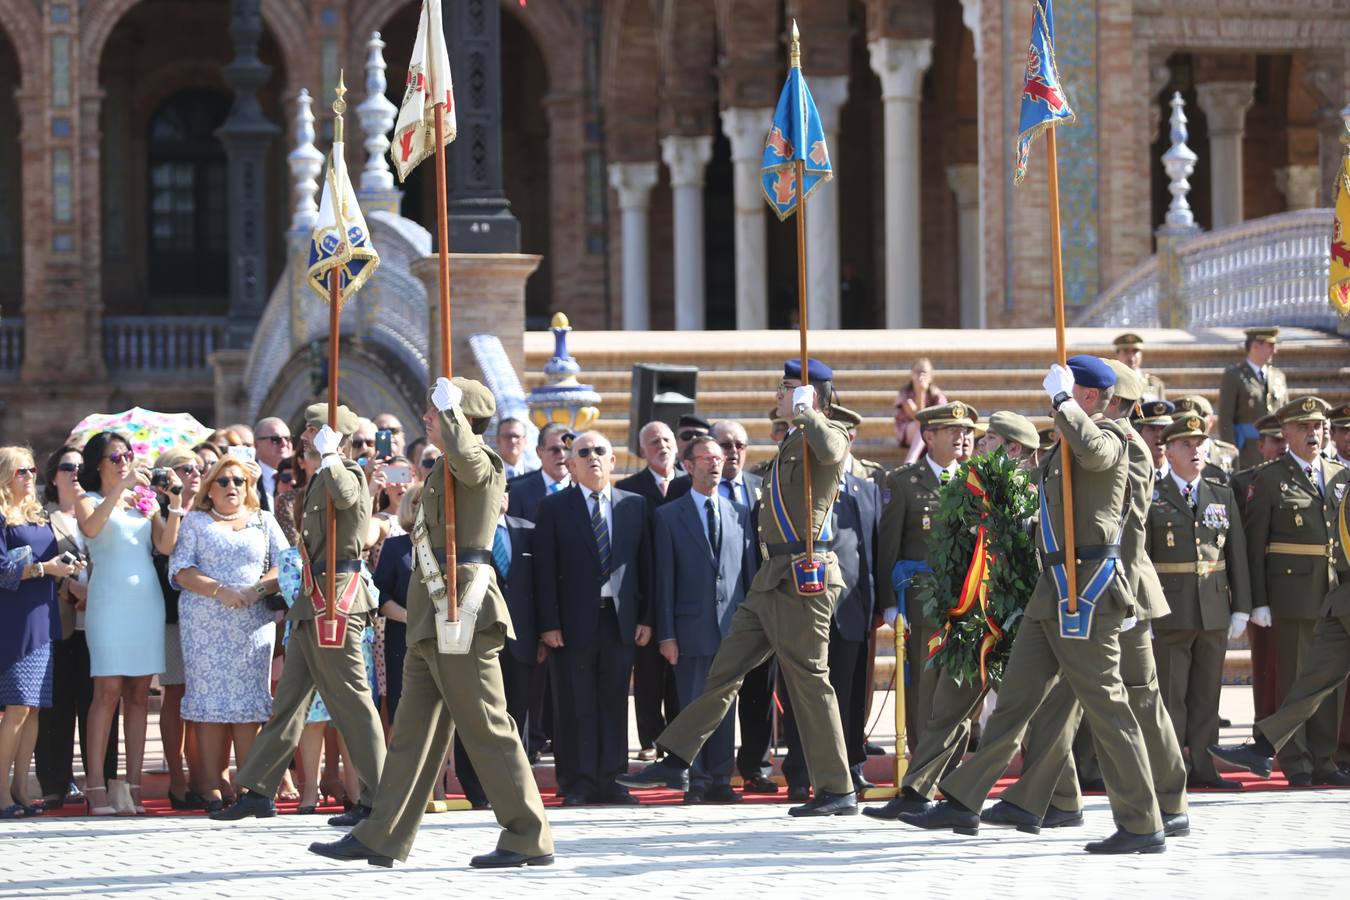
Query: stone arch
[(630, 80), (19, 24), (688, 58)]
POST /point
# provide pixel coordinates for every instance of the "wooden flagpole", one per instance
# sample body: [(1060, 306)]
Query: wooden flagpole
[(1057, 270), (334, 335), (443, 281), (795, 61)]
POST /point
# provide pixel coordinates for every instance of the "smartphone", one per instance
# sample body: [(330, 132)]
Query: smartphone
[(399, 474), (384, 443), (244, 453)]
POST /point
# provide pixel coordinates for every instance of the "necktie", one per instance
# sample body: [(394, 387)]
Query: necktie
[(601, 531), (728, 489), (1188, 493), (555, 487), (714, 533), (1312, 476), (944, 477), (662, 485), (500, 555)]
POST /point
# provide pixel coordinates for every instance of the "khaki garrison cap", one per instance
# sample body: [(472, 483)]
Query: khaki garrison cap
[(1193, 403), (1269, 335), (316, 415), (954, 413), (1128, 340), (1340, 416), (1128, 384), (1305, 409), (1012, 427), (1269, 425), (1185, 427)]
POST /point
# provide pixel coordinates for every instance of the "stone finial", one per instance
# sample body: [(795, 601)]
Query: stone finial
[(377, 115), (1179, 162), (563, 399), (306, 162)]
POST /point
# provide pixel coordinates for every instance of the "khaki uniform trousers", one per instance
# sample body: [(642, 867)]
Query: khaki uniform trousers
[(1048, 773), (1040, 658), (1321, 675), (1314, 742), (797, 630), (945, 735), (442, 693), (920, 692), (1190, 676), (339, 676)]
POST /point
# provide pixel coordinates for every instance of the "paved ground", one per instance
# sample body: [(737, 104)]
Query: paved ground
[(1252, 845)]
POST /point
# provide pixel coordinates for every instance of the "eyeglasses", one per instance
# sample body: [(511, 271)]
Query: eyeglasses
[(690, 433), (118, 458), (285, 478), (359, 442), (709, 458), (225, 481), (67, 467), (30, 471), (279, 439), (429, 462), (600, 451), (731, 445), (557, 451), (190, 470)]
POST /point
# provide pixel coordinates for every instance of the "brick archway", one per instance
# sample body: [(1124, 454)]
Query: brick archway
[(19, 25), (687, 43), (630, 80)]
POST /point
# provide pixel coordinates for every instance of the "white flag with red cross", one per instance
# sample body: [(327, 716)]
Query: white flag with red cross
[(428, 84)]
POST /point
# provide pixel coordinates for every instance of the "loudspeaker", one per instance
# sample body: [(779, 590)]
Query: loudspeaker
[(660, 393)]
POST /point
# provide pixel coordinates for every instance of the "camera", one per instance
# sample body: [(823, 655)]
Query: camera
[(159, 478), (68, 558)]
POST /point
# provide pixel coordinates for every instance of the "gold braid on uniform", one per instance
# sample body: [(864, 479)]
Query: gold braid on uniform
[(979, 597)]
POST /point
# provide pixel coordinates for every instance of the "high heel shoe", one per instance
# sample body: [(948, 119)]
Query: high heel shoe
[(135, 790), (90, 808)]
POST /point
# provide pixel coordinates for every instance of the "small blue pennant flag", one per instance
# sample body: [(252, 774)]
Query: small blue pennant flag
[(340, 239), (796, 134), (1044, 101)]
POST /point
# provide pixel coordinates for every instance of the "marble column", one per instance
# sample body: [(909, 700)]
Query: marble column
[(1225, 104), (687, 157), (746, 128), (633, 181), (822, 213), (900, 64), (1300, 185), (964, 180)]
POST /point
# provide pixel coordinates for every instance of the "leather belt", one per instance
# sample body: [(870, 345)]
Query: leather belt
[(1085, 553), (606, 602), (1285, 549), (1197, 567), (343, 565), (792, 548), (466, 555)]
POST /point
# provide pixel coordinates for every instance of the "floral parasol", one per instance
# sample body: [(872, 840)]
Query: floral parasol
[(150, 433)]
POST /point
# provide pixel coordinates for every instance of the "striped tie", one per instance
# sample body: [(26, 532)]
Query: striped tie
[(1188, 492), (500, 555), (601, 530)]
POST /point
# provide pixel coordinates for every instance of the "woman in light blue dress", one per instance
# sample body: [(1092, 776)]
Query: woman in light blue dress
[(124, 615)]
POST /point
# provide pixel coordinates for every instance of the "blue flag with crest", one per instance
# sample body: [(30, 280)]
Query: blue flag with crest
[(1044, 101), (796, 134)]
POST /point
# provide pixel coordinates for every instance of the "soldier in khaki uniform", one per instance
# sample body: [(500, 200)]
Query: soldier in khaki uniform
[(1130, 352), (337, 673), (1222, 459), (788, 609), (447, 691), (865, 469), (1291, 536), (1250, 390), (1196, 542), (1048, 647), (1150, 421), (909, 502), (778, 429)]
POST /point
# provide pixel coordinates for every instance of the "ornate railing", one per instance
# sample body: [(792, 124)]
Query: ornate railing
[(11, 347), (1132, 302), (133, 344)]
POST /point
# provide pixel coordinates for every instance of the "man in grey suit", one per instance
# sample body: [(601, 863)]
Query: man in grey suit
[(704, 564)]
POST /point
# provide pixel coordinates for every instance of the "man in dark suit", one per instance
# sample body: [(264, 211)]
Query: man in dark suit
[(513, 562), (655, 699), (704, 564), (593, 605), (525, 492)]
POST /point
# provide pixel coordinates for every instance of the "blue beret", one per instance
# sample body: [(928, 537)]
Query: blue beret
[(814, 367), (1091, 372)]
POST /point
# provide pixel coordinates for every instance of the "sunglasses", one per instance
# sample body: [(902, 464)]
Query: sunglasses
[(118, 458), (285, 478), (67, 467), (30, 471), (600, 451), (190, 470), (278, 439), (360, 442), (225, 481), (690, 433), (429, 463), (732, 445)]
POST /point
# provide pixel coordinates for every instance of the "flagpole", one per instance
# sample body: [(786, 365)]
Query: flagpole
[(334, 335), (443, 282), (795, 62), (1057, 274)]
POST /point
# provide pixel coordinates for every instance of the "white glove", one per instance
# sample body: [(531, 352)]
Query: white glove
[(1058, 381), (1237, 625), (1261, 617), (1128, 623), (890, 614), (326, 441), (804, 396), (445, 395)]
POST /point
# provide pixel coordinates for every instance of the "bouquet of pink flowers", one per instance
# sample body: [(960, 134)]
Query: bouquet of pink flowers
[(145, 499)]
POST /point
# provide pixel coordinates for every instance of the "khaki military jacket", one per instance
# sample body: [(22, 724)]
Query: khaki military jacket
[(480, 482), (869, 471), (1154, 389), (351, 505), (1222, 456), (1241, 483), (1291, 536), (1151, 599), (909, 500), (1200, 555), (1243, 399)]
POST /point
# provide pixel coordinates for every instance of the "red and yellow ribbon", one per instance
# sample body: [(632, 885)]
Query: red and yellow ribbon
[(975, 587)]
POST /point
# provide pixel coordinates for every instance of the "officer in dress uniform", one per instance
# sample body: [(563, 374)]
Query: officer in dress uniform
[(1081, 647), (1130, 352), (1248, 391), (909, 502), (788, 608), (1150, 422), (1340, 434), (338, 673), (1196, 542), (1291, 538), (1222, 459), (455, 687)]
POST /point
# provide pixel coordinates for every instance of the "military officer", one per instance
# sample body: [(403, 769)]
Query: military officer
[(1152, 420), (1291, 535), (1221, 457), (1081, 646), (445, 689), (909, 502), (338, 672), (865, 469), (1249, 390), (1196, 542), (1130, 352), (1015, 433), (788, 608), (778, 429), (1340, 434)]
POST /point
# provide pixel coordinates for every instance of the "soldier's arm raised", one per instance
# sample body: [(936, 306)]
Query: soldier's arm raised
[(465, 452), (346, 486), (1095, 449), (828, 440)]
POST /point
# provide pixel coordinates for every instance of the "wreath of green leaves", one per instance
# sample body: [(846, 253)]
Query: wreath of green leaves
[(1012, 568)]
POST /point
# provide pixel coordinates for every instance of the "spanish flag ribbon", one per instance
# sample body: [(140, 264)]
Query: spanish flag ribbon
[(975, 588)]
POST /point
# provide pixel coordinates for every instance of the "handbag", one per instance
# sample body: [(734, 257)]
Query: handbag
[(274, 601)]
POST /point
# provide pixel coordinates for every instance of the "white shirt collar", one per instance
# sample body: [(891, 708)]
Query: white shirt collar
[(698, 496), (1182, 484), (1259, 370), (501, 521), (1303, 465), (1163, 470), (938, 470), (549, 482), (658, 477), (604, 492)]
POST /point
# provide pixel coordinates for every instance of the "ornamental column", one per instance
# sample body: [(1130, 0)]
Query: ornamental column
[(633, 181), (1300, 185), (686, 157), (900, 64), (822, 214), (964, 180), (1225, 104), (746, 128)]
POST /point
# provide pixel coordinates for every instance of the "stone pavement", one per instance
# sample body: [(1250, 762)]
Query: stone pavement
[(1244, 845)]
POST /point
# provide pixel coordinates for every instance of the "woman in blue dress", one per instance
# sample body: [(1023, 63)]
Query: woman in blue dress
[(29, 622), (124, 617)]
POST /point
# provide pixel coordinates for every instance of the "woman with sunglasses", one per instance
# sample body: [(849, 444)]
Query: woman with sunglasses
[(29, 622), (225, 564), (124, 620)]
